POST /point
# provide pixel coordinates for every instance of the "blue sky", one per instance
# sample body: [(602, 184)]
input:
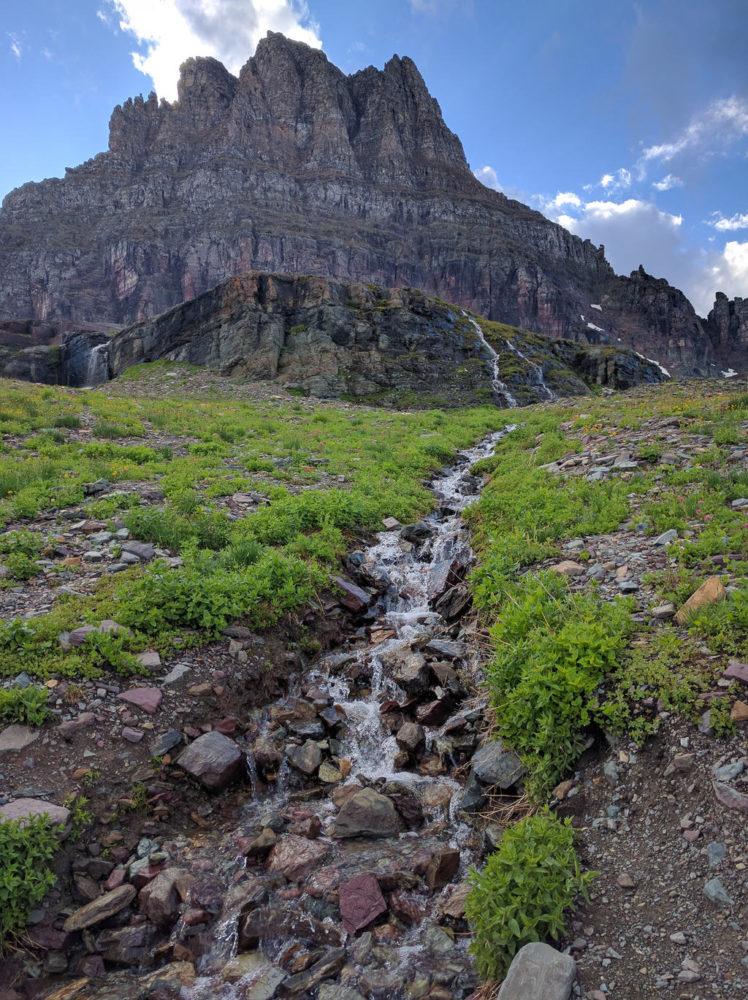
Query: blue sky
[(626, 122)]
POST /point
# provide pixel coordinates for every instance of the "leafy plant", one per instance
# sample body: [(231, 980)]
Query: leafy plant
[(25, 705), (523, 892), (26, 848), (80, 817)]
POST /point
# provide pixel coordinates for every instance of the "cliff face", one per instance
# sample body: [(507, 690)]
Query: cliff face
[(330, 339), (727, 326), (295, 167)]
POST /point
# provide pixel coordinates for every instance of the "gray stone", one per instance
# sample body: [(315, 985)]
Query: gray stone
[(176, 673), (715, 893), (539, 972), (306, 758), (144, 551), (126, 946), (368, 814), (213, 759), (729, 771), (666, 537), (473, 797), (663, 611), (438, 943), (16, 737), (100, 909), (165, 742), (716, 852), (611, 773), (493, 765)]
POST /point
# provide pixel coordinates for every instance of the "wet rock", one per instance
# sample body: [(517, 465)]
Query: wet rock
[(495, 766), (473, 796), (408, 806), (160, 899), (454, 906), (15, 737), (454, 602), (381, 983), (146, 698), (310, 828), (265, 984), (126, 945), (361, 902), (353, 597), (306, 758), (438, 943), (443, 867), (539, 972), (272, 922), (329, 774), (418, 532), (244, 896), (710, 592), (296, 857), (213, 759), (303, 983), (24, 808), (407, 909), (368, 814), (434, 713), (100, 908), (410, 737), (410, 672), (334, 991), (449, 650)]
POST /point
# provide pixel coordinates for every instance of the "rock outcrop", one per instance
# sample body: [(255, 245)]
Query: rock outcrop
[(295, 167), (727, 326), (392, 347)]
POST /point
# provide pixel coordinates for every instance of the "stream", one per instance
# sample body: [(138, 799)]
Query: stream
[(391, 714)]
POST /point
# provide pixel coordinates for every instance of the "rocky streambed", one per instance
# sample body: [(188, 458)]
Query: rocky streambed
[(326, 849)]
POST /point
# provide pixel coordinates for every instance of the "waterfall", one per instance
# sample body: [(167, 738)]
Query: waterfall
[(499, 387), (536, 370), (98, 366)]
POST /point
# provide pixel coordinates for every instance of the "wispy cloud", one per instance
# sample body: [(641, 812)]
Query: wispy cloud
[(173, 30), (667, 182), (710, 131), (488, 176), (15, 45), (718, 221)]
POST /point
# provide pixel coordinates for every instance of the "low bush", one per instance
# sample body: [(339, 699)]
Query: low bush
[(523, 892), (25, 705), (26, 848)]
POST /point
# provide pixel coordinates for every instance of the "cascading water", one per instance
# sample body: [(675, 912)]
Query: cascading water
[(536, 372), (98, 366), (403, 617), (499, 387)]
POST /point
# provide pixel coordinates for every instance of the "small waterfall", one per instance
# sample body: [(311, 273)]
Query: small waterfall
[(536, 371), (98, 366), (499, 387)]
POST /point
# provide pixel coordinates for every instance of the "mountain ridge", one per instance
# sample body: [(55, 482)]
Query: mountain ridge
[(293, 166)]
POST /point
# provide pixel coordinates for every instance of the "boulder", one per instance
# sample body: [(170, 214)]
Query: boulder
[(367, 814), (410, 736), (352, 597), (274, 923), (21, 809), (443, 867), (147, 698), (15, 737), (82, 721), (539, 972), (126, 945), (160, 898), (361, 902), (306, 758), (213, 759)]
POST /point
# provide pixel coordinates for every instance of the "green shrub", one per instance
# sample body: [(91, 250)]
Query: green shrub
[(524, 891), (25, 705), (66, 420), (26, 848)]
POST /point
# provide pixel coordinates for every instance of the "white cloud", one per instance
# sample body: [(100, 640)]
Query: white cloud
[(710, 131), (667, 182), (487, 175), (170, 31), (729, 225), (15, 45), (734, 271), (566, 198), (612, 182)]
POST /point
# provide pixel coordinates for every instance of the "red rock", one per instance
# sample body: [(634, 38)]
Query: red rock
[(68, 729), (691, 835), (25, 808), (730, 797), (353, 597), (213, 759), (435, 712), (193, 916), (132, 735), (309, 828), (406, 909), (227, 726), (116, 879), (736, 671), (147, 698), (296, 857), (146, 875), (361, 902)]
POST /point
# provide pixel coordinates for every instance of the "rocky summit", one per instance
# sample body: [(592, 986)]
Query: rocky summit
[(296, 167)]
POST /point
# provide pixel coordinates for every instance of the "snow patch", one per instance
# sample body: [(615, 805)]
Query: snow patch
[(657, 364), (730, 373), (594, 305), (591, 326)]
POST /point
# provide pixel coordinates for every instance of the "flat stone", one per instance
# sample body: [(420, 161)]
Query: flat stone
[(165, 742), (132, 735), (143, 550), (297, 857), (730, 796), (107, 627), (213, 759), (736, 671), (361, 902), (729, 771), (16, 737), (25, 808), (368, 814), (265, 984), (147, 698), (443, 867), (493, 765), (410, 736), (739, 712), (176, 673), (353, 597), (539, 972), (666, 537), (160, 898), (663, 611), (710, 592), (100, 909), (329, 774), (306, 758), (127, 945), (274, 923), (149, 659)]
